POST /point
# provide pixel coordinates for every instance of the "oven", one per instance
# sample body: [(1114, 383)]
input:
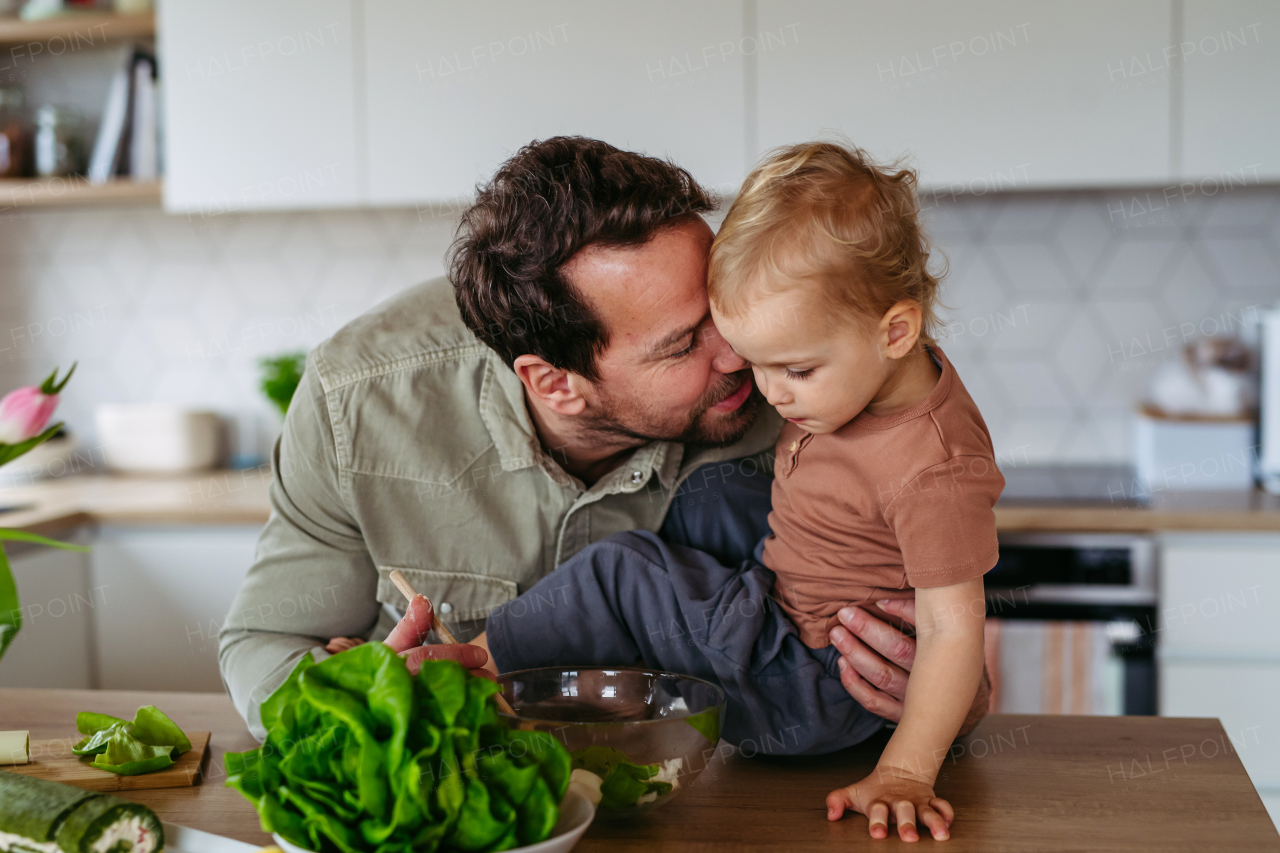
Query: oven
[(1071, 624)]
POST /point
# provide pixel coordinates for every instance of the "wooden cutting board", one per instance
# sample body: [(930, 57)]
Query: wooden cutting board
[(53, 760)]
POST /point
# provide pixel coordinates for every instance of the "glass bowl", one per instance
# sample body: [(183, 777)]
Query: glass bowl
[(646, 734)]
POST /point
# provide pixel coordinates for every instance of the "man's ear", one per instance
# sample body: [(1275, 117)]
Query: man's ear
[(900, 328), (556, 389)]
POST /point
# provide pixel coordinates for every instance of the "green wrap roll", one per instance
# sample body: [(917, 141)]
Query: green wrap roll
[(47, 817)]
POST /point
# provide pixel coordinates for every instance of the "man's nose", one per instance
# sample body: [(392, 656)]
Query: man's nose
[(723, 359)]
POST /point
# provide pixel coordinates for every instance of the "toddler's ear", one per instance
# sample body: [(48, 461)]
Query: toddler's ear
[(900, 328)]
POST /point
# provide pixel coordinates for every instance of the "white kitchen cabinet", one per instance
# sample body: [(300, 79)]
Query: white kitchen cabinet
[(59, 603), (995, 95), (1220, 597), (260, 105), (1271, 799), (1218, 648), (167, 591), (456, 88), (1230, 115), (1244, 696)]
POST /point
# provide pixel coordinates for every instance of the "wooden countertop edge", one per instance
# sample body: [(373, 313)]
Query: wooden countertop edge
[(54, 522), (1007, 520), (1016, 519), (240, 497)]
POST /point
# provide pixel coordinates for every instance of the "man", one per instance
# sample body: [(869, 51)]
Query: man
[(569, 386)]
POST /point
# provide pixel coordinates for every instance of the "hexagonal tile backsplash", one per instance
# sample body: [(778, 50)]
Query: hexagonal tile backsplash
[(1058, 305)]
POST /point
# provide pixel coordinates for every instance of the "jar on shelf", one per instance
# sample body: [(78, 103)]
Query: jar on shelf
[(60, 142), (16, 135)]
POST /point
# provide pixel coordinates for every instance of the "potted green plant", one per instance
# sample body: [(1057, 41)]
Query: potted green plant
[(280, 376)]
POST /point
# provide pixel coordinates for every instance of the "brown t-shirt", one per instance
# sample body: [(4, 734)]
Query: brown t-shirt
[(881, 506)]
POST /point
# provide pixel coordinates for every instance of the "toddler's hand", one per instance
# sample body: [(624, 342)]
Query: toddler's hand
[(893, 794), (341, 644)]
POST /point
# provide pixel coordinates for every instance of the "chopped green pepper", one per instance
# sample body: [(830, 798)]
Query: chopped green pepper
[(151, 742)]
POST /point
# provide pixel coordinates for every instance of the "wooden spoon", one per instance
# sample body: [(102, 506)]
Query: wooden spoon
[(407, 590)]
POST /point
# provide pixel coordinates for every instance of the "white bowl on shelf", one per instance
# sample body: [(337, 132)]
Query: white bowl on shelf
[(158, 438)]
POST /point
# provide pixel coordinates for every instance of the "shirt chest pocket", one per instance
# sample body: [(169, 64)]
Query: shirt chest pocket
[(457, 596)]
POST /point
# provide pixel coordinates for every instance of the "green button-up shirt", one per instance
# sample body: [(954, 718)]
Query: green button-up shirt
[(408, 446)]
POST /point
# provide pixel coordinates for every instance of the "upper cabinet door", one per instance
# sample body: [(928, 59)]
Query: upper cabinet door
[(259, 103), (456, 88), (989, 95), (1231, 102)]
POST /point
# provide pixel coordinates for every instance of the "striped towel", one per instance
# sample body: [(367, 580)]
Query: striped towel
[(1053, 668)]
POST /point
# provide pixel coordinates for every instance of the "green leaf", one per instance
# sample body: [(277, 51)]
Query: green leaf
[(442, 690), (278, 710), (125, 755), (500, 772), (624, 782), (537, 814), (129, 748), (554, 761), (52, 386), (600, 760), (152, 727), (280, 378), (24, 536), (9, 452), (88, 723), (707, 723), (10, 609), (620, 789), (477, 828), (96, 742)]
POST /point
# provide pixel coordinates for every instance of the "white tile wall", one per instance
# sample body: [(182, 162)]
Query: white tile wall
[(1059, 304)]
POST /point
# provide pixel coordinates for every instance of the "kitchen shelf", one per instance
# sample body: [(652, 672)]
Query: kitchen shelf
[(78, 30), (74, 192)]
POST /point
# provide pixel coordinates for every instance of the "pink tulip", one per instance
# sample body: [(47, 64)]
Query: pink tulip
[(24, 414)]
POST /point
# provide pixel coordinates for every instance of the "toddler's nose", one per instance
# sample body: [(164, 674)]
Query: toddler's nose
[(774, 392)]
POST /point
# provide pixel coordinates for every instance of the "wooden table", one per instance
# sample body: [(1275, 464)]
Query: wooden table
[(1018, 783)]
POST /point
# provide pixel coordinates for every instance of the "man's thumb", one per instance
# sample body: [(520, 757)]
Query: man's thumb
[(414, 627)]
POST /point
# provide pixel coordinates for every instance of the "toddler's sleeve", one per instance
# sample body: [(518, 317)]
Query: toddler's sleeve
[(945, 522)]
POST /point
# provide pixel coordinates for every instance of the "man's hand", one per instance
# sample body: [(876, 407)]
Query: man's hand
[(877, 658), (892, 794), (406, 639)]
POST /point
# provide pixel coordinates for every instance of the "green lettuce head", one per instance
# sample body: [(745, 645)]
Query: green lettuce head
[(361, 757)]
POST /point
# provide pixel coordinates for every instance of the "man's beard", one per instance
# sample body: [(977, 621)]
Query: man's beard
[(700, 425)]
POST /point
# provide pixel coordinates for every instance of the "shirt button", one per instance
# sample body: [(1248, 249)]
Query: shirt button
[(795, 445), (446, 608), (636, 477)]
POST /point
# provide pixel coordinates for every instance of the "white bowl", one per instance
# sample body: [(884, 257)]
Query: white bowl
[(158, 438), (576, 814)]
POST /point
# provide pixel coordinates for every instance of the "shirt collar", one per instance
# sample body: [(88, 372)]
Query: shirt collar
[(503, 409)]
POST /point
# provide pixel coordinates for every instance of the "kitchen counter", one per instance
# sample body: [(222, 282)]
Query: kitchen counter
[(1019, 783), (209, 497), (1254, 510), (240, 497)]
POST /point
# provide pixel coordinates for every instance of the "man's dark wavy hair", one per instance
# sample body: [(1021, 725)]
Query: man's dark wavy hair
[(552, 199)]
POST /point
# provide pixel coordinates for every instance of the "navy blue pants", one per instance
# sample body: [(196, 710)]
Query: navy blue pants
[(636, 599)]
